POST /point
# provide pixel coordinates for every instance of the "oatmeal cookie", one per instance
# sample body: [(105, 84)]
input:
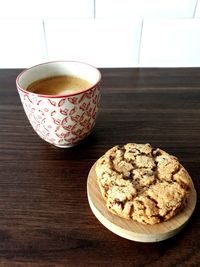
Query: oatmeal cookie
[(142, 183)]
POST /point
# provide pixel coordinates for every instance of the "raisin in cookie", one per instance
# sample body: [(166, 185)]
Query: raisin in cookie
[(142, 183)]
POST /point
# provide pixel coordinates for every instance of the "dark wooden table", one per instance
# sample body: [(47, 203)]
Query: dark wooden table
[(45, 219)]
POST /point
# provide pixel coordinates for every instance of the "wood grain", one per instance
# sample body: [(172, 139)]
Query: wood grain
[(45, 218), (133, 230)]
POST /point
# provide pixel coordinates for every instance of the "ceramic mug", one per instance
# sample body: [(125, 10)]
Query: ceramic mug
[(62, 120)]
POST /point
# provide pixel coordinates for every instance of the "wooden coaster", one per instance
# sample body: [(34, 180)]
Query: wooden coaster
[(133, 230)]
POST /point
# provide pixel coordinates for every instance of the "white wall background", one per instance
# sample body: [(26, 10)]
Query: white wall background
[(105, 33)]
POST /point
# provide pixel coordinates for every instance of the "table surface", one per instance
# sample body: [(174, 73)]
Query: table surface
[(45, 219)]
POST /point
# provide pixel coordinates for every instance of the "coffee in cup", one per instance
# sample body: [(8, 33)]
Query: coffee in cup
[(58, 85)]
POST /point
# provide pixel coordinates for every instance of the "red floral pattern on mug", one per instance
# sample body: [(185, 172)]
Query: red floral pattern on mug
[(62, 121)]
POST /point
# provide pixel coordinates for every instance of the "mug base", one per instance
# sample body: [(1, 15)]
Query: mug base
[(66, 146), (71, 145)]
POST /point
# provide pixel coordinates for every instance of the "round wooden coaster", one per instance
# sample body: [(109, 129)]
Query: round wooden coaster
[(133, 230)]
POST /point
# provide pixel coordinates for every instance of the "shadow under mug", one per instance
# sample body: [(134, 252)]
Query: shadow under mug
[(62, 120)]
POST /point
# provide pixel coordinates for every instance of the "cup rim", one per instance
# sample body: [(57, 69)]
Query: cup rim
[(58, 96)]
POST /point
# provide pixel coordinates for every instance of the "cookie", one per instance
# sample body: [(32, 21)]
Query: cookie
[(142, 183)]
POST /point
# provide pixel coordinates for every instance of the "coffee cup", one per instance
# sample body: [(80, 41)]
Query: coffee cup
[(60, 99)]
